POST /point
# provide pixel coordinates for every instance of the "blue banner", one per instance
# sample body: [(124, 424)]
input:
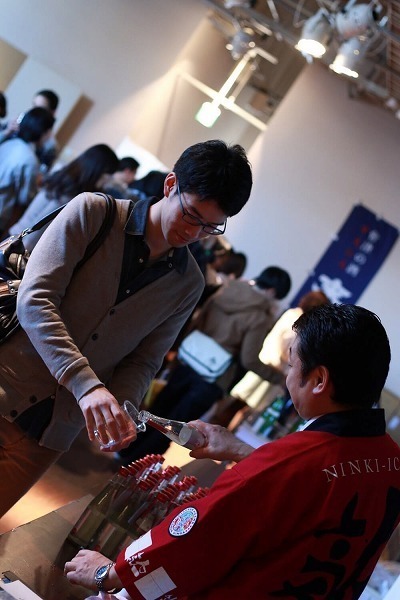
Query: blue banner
[(353, 258)]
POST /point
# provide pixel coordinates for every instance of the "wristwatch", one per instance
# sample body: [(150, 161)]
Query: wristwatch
[(101, 575)]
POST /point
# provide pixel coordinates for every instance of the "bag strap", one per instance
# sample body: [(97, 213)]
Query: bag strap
[(96, 242), (111, 210), (111, 206), (43, 221)]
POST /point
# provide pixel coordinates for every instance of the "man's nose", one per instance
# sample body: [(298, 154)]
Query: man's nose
[(194, 231)]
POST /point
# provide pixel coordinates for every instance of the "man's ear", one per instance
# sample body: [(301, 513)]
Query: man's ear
[(169, 183), (321, 379)]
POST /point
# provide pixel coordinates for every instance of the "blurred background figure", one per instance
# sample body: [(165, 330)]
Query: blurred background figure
[(3, 111), (236, 318), (219, 264), (84, 174), (210, 255), (19, 165), (48, 152), (118, 183), (252, 390), (7, 128), (230, 265), (150, 185)]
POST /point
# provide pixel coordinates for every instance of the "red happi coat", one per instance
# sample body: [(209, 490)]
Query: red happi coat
[(304, 518)]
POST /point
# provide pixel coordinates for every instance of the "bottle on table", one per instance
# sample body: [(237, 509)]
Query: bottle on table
[(266, 422), (113, 496), (97, 510)]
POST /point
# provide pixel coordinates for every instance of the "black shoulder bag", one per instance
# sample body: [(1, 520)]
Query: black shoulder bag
[(14, 257)]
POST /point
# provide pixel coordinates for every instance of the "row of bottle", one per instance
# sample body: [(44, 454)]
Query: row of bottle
[(136, 499), (277, 419)]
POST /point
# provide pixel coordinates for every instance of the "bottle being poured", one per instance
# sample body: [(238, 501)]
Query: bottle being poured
[(178, 431)]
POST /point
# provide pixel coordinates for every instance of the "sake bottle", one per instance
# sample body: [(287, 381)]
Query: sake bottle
[(178, 431)]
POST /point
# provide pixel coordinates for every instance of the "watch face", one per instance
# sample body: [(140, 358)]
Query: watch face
[(101, 572)]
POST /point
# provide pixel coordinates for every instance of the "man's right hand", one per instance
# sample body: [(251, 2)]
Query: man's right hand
[(103, 413), (221, 444)]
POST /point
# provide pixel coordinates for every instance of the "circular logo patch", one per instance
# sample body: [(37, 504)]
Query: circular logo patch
[(183, 523)]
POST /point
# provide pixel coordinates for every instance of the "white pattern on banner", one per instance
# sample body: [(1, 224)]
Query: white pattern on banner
[(353, 258)]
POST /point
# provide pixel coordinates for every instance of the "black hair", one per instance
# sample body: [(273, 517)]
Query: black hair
[(3, 105), (128, 162), (234, 263), (351, 342), (151, 184), (276, 278), (83, 173), (215, 171), (35, 122), (51, 97)]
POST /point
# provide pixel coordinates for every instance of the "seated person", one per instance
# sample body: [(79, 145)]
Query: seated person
[(306, 516)]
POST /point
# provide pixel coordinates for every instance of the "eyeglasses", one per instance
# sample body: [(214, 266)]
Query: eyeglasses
[(193, 220)]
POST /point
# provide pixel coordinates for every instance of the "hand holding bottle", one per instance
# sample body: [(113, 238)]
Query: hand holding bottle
[(221, 443), (178, 431)]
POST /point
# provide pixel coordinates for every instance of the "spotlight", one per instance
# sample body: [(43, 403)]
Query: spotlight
[(316, 34), (241, 3), (357, 20), (208, 114), (347, 58)]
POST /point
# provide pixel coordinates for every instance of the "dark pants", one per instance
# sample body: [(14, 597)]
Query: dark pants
[(186, 397)]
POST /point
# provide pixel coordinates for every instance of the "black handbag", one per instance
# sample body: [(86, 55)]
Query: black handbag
[(14, 257)]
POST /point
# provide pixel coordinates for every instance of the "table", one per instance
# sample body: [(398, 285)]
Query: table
[(37, 551)]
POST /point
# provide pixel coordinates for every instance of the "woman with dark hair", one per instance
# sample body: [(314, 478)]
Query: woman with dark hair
[(84, 174)]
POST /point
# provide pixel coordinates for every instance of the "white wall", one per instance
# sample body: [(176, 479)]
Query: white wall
[(126, 56), (323, 153), (115, 51), (25, 85)]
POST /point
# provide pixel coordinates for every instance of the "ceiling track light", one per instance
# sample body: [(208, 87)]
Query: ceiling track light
[(353, 21), (316, 34), (210, 111), (238, 3), (348, 56)]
